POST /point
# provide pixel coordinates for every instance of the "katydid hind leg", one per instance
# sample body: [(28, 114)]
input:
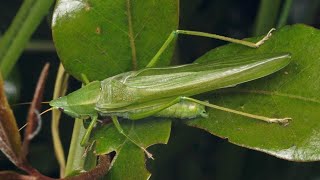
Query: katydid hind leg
[(173, 34), (265, 38), (121, 131), (283, 121)]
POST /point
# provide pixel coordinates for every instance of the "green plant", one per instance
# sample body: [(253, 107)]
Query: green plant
[(85, 36)]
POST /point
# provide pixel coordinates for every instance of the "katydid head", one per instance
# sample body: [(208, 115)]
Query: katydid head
[(62, 105), (203, 113), (80, 103)]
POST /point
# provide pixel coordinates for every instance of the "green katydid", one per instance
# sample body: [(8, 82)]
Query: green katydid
[(165, 92)]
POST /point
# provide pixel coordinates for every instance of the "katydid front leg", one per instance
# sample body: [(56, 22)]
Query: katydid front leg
[(173, 34), (94, 117), (86, 136)]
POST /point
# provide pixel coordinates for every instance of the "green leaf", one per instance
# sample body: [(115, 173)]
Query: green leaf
[(292, 92), (129, 162), (101, 38)]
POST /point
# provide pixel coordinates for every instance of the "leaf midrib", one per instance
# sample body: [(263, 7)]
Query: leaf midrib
[(131, 37)]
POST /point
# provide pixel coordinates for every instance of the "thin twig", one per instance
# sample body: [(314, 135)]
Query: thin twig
[(32, 120)]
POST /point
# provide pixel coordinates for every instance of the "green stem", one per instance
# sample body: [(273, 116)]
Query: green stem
[(40, 46), (78, 158), (75, 160), (60, 89), (17, 36), (284, 13), (267, 16)]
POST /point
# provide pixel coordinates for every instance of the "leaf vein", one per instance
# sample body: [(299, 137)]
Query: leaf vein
[(131, 36)]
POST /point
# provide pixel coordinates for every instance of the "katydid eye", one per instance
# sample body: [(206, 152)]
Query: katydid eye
[(60, 109)]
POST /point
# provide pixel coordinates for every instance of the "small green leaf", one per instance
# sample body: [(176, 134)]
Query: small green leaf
[(292, 92), (101, 38), (129, 162)]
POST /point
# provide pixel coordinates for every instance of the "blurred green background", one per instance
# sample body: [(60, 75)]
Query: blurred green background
[(191, 153)]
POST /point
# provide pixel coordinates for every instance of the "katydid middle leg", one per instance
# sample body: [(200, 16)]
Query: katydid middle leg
[(86, 136), (173, 34), (121, 131), (141, 115)]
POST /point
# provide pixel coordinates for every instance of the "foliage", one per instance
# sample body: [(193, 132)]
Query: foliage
[(99, 36)]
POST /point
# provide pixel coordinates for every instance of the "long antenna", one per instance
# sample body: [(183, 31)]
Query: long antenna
[(23, 126), (50, 109), (27, 103)]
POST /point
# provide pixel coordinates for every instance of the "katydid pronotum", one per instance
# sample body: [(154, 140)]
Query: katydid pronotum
[(166, 92)]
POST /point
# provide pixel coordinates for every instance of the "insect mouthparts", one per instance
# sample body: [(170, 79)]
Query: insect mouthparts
[(60, 109)]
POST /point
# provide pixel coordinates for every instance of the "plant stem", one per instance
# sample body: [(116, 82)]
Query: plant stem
[(267, 16), (75, 160), (60, 89), (284, 13), (17, 36)]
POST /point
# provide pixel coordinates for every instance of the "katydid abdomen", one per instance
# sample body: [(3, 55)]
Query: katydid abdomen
[(180, 110)]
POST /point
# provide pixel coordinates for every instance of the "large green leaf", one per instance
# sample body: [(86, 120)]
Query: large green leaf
[(129, 162), (100, 38), (278, 95), (292, 92)]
